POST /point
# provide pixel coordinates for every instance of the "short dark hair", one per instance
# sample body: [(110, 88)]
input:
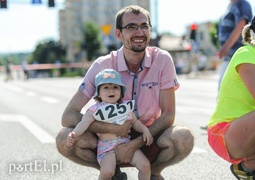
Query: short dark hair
[(130, 9)]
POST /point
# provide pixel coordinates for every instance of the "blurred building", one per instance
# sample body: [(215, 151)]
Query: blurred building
[(102, 12), (203, 38), (190, 50), (203, 42)]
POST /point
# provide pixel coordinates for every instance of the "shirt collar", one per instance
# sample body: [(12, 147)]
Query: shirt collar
[(122, 66)]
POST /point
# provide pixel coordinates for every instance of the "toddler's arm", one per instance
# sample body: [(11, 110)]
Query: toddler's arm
[(140, 127), (81, 127)]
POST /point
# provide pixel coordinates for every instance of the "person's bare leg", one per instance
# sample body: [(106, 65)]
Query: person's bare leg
[(240, 139), (108, 165), (140, 161), (177, 143)]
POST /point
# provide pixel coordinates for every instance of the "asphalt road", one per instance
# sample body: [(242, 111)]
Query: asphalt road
[(30, 113)]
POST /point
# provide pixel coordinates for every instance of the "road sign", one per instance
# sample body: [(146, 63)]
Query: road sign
[(106, 29)]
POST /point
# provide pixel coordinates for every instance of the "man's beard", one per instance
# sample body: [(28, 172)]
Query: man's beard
[(137, 49)]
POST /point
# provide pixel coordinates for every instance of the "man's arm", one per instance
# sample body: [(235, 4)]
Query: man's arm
[(72, 113), (125, 152), (105, 128), (166, 120), (234, 36), (167, 105)]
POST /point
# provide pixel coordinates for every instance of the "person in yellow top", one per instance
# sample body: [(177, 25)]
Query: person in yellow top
[(231, 129)]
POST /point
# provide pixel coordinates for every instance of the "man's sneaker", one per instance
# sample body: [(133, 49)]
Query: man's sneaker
[(119, 175), (239, 173)]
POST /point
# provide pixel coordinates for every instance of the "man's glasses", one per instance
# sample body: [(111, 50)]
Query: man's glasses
[(134, 27)]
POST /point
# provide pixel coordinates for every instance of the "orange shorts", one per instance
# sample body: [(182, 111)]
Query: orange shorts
[(216, 140)]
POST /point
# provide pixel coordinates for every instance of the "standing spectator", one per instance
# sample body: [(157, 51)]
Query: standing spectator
[(25, 70), (149, 76), (8, 70), (238, 14)]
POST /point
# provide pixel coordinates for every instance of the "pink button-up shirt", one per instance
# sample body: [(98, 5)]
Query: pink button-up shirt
[(157, 73)]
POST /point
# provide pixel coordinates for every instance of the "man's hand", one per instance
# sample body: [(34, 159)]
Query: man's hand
[(124, 153), (124, 129), (223, 52)]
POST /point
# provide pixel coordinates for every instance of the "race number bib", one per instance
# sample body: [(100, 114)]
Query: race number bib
[(114, 113)]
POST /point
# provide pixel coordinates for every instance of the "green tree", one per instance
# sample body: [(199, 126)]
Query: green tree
[(214, 34), (48, 51), (92, 41)]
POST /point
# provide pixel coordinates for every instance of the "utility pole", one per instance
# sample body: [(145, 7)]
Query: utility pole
[(156, 16), (156, 22)]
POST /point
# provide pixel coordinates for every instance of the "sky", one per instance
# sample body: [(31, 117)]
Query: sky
[(24, 24)]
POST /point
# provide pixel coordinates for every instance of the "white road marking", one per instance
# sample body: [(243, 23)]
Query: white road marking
[(12, 88), (198, 150), (49, 99), (31, 93), (33, 128)]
